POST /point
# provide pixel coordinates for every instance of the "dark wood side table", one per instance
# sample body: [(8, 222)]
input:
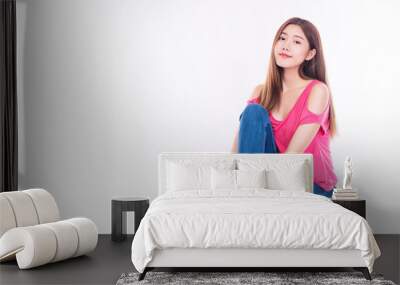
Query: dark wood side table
[(119, 207), (357, 206)]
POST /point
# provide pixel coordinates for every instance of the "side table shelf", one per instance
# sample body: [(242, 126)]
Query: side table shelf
[(119, 207)]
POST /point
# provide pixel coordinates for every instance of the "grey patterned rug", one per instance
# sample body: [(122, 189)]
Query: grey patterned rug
[(225, 278)]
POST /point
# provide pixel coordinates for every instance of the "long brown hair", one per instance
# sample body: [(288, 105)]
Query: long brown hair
[(270, 95)]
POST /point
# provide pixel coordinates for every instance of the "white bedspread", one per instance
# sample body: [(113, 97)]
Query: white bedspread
[(250, 218)]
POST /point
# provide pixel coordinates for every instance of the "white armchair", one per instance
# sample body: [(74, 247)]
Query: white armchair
[(32, 233)]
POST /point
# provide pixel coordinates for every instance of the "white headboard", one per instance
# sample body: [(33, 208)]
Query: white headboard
[(274, 158)]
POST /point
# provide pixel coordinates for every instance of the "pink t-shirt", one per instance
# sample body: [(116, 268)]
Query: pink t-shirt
[(284, 130)]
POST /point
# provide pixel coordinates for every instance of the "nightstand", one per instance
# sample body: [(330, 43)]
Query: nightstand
[(119, 207), (357, 206)]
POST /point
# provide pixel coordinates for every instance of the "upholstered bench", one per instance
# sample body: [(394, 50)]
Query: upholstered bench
[(32, 233)]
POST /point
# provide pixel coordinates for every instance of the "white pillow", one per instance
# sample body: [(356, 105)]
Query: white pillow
[(281, 174), (223, 179), (251, 178), (288, 178), (293, 179), (184, 177), (237, 179), (189, 174)]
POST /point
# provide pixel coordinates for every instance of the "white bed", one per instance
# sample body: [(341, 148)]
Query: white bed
[(248, 227)]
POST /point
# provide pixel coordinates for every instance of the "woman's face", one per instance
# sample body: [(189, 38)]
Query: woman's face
[(292, 47)]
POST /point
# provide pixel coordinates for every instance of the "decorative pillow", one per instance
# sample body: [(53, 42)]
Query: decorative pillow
[(189, 174), (184, 177), (223, 179), (281, 174), (251, 178), (293, 178), (237, 179)]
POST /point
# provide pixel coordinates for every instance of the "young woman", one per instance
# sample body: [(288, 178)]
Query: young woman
[(292, 112)]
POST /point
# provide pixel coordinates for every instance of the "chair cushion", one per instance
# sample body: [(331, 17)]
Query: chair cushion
[(24, 211), (40, 244), (45, 205), (7, 220), (27, 208)]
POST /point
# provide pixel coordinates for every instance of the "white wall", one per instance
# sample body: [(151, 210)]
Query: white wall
[(105, 86)]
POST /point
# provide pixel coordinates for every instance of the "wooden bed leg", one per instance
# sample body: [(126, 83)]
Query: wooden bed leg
[(143, 274), (364, 271)]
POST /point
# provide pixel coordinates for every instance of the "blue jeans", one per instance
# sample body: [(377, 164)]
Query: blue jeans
[(256, 136), (318, 190), (255, 131)]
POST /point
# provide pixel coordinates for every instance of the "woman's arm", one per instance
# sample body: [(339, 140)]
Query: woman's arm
[(305, 133), (302, 138)]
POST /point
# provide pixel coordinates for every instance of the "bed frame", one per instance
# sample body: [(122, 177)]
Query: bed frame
[(240, 259)]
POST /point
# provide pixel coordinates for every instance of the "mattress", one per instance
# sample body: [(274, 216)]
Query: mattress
[(251, 219)]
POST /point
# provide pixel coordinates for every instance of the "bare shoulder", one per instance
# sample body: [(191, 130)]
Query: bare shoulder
[(257, 91), (320, 87), (318, 99)]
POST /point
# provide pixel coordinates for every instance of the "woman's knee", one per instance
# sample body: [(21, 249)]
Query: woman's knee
[(255, 111)]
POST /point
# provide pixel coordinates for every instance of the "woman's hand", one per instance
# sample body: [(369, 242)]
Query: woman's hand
[(234, 145)]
